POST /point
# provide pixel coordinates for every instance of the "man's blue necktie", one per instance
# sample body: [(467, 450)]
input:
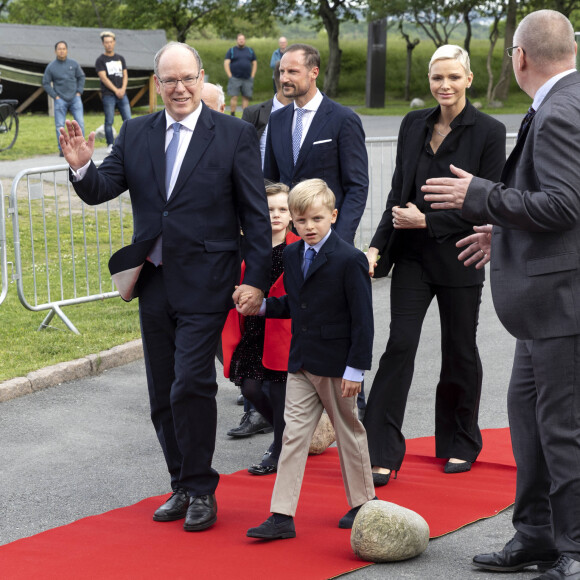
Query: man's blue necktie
[(526, 121), (309, 255), (170, 156), (297, 134)]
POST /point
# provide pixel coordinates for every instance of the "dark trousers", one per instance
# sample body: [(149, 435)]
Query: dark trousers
[(458, 392), (179, 353), (544, 417)]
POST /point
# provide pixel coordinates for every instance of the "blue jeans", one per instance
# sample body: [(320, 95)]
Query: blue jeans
[(109, 104), (60, 110)]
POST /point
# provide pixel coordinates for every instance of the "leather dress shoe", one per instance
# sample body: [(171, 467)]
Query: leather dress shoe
[(201, 513), (457, 467), (260, 469), (516, 556), (252, 422), (174, 508), (270, 530), (566, 568), (347, 519)]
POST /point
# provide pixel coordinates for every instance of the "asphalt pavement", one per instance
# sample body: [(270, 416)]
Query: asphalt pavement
[(88, 446)]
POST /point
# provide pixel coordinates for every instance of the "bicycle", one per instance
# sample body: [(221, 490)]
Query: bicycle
[(8, 122)]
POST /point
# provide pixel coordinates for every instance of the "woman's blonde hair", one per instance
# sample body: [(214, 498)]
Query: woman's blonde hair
[(452, 52)]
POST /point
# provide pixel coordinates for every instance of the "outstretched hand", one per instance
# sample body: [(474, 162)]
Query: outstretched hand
[(448, 192), (478, 249), (76, 150)]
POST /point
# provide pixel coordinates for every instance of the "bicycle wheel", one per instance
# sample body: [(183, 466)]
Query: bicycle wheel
[(8, 126)]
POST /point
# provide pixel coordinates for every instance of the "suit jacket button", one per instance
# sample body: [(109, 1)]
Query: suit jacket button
[(165, 213), (304, 329), (303, 306)]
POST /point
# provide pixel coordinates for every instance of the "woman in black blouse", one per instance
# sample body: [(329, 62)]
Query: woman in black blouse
[(420, 242)]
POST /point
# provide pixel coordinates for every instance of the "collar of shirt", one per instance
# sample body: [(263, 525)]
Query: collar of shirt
[(310, 109), (318, 245), (276, 104), (547, 86), (187, 127)]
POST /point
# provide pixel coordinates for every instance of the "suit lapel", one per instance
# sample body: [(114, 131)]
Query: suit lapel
[(284, 137), (202, 136), (321, 117), (414, 142), (156, 137)]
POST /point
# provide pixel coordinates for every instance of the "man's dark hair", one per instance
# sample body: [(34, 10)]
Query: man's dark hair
[(311, 54), (61, 42)]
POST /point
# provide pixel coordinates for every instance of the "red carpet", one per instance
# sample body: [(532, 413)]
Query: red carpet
[(126, 543)]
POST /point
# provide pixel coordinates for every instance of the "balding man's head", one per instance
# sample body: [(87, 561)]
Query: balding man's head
[(213, 96), (547, 38)]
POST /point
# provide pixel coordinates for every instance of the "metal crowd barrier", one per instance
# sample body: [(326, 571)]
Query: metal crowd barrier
[(3, 261), (61, 245)]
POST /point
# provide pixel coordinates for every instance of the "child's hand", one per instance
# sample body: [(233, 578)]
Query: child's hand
[(244, 297), (350, 388)]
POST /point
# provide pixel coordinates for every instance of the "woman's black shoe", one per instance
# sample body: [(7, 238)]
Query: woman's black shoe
[(380, 479), (457, 467)]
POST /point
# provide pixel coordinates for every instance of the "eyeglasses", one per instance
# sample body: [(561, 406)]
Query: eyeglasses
[(172, 83), (510, 51)]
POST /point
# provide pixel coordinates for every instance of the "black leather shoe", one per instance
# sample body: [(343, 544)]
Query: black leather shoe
[(565, 568), (252, 422), (457, 467), (240, 400), (347, 519), (516, 556), (272, 531), (262, 469), (201, 513), (174, 508)]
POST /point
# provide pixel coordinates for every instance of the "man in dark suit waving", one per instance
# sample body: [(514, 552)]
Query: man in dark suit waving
[(194, 176), (317, 138), (534, 241)]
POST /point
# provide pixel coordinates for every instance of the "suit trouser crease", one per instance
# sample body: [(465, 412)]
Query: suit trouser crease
[(544, 417), (179, 353), (458, 391), (307, 395)]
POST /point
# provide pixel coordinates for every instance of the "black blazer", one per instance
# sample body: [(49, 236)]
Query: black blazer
[(476, 144), (219, 187), (258, 115), (333, 149), (331, 309)]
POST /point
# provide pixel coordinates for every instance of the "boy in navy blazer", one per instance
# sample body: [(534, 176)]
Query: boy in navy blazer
[(329, 300)]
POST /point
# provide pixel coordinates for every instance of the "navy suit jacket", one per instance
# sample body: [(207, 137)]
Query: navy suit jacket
[(219, 188), (333, 149), (331, 309), (535, 212)]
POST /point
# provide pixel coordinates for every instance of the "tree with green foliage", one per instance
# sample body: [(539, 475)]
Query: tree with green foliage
[(328, 14), (83, 13)]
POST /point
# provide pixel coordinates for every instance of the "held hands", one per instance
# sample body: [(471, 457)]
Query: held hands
[(349, 388), (75, 149), (448, 192), (478, 249), (408, 218), (247, 299)]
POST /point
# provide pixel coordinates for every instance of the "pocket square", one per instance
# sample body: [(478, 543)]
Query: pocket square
[(323, 141)]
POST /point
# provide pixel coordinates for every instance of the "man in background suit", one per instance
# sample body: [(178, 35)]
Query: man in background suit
[(535, 280), (329, 141), (259, 115), (179, 165)]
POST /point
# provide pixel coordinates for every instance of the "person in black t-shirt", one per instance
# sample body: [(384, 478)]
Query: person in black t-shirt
[(112, 71)]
